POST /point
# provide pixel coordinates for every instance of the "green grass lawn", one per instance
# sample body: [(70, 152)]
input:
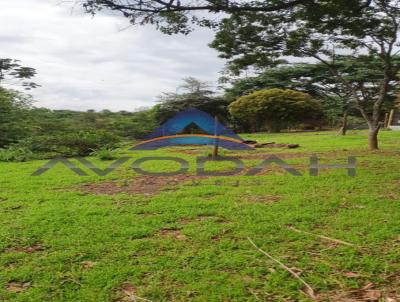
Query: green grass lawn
[(189, 242)]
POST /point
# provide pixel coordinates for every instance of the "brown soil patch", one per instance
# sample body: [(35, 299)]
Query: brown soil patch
[(88, 264), (127, 293), (390, 195), (222, 234), (322, 154), (396, 181), (266, 199), (27, 250), (201, 218), (17, 287), (280, 155), (173, 233), (144, 185), (193, 151), (359, 295)]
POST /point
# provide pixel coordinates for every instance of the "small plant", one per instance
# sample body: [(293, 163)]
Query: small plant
[(16, 154), (123, 183), (105, 154)]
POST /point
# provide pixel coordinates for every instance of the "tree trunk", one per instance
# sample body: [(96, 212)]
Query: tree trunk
[(343, 129), (274, 127), (274, 130), (373, 138)]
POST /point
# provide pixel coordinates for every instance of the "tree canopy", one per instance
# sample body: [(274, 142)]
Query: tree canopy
[(364, 71), (181, 16), (13, 73), (192, 93), (260, 34), (275, 108)]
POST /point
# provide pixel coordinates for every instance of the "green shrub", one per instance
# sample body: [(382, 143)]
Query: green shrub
[(81, 143), (15, 153), (105, 154)]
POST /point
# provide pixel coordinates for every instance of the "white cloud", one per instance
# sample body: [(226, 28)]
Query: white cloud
[(90, 63)]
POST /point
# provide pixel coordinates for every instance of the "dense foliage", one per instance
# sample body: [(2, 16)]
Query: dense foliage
[(27, 132), (50, 133)]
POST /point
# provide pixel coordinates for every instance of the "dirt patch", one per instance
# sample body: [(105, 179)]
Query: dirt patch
[(322, 154), (127, 293), (144, 185), (358, 295), (390, 195), (222, 234), (87, 265), (280, 155), (396, 181), (18, 287), (173, 233), (193, 151), (27, 250), (266, 199), (202, 218)]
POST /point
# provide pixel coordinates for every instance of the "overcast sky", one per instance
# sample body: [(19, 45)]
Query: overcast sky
[(91, 63)]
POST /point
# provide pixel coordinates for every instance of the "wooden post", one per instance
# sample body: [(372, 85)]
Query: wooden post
[(216, 142), (390, 117)]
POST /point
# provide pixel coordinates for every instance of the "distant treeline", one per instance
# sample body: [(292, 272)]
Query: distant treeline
[(288, 97), (28, 132)]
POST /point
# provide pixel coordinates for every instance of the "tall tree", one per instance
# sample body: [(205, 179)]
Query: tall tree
[(259, 40), (194, 86), (191, 94), (313, 79), (259, 33), (317, 80)]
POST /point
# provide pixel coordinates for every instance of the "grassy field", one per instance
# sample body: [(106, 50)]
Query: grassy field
[(70, 238)]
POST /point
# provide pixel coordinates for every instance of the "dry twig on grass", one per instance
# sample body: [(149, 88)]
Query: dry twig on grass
[(308, 291), (321, 236)]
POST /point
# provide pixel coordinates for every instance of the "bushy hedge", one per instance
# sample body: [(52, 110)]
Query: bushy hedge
[(16, 154), (82, 143), (276, 109)]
